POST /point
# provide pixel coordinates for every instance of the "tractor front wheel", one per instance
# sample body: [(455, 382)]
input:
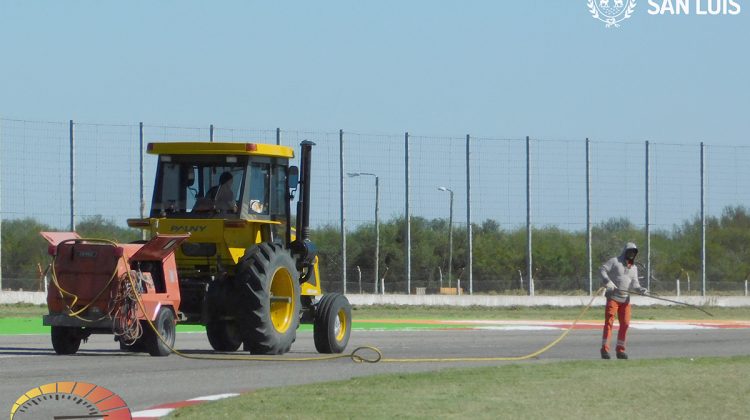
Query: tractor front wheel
[(269, 291), (166, 327), (66, 340), (333, 323)]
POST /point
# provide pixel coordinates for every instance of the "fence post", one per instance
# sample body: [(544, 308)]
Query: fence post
[(278, 135), (211, 133), (678, 286), (529, 264), (72, 179), (648, 225), (140, 175), (469, 244), (407, 216), (342, 192), (588, 217), (703, 229)]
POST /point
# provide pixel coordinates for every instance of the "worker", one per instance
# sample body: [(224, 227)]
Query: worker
[(619, 276), (223, 196)]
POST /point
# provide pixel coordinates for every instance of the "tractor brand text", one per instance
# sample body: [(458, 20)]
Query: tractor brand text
[(187, 229)]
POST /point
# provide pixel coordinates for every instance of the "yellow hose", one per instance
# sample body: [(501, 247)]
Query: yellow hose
[(356, 356), (64, 292)]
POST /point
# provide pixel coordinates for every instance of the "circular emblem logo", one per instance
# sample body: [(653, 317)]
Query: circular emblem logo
[(70, 400), (611, 12)]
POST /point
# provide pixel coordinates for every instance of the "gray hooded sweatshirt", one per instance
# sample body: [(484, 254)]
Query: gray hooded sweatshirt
[(616, 270)]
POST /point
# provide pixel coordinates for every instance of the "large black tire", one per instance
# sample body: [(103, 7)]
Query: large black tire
[(333, 323), (224, 335), (269, 293), (165, 324), (66, 340)]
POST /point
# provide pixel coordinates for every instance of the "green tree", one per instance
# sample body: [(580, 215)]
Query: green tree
[(24, 253)]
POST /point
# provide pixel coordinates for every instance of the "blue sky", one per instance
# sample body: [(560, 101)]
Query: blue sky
[(540, 68), (433, 68)]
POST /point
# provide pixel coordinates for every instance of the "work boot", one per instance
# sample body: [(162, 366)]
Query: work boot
[(605, 354), (622, 355)]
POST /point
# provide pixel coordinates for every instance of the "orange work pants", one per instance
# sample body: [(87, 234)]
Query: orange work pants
[(623, 317)]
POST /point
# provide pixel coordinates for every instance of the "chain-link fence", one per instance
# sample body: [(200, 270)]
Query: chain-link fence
[(422, 214)]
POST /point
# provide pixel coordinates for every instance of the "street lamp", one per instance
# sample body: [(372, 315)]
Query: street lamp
[(450, 235), (377, 225)]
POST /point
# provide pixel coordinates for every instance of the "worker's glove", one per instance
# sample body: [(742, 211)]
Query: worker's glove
[(610, 286), (642, 290)]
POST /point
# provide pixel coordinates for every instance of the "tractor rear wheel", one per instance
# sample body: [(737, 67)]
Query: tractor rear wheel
[(333, 323), (66, 340), (269, 291), (165, 325), (224, 335)]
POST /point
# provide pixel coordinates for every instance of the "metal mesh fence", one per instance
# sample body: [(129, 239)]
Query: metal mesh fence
[(498, 208), (107, 171), (36, 171), (367, 159)]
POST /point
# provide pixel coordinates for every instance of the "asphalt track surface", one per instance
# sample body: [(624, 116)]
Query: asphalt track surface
[(27, 361)]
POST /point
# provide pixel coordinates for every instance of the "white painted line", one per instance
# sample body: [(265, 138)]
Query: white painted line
[(214, 397), (8, 356), (154, 412), (670, 327), (518, 328)]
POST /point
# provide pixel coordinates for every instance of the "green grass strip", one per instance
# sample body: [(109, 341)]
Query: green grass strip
[(16, 326), (26, 319), (482, 312), (715, 388)]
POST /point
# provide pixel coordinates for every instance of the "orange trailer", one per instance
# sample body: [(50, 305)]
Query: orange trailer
[(102, 287)]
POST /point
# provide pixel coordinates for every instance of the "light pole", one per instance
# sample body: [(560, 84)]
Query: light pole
[(377, 223), (450, 235)]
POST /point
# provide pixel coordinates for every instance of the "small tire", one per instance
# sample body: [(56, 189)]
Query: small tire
[(66, 340), (224, 335), (333, 323), (269, 291), (165, 324)]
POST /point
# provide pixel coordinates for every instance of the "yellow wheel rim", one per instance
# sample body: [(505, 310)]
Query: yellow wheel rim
[(282, 300), (339, 328)]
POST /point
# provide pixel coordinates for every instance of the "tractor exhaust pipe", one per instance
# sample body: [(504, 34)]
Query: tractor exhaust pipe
[(303, 205), (303, 249)]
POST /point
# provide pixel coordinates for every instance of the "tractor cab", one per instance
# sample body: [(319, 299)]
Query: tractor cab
[(223, 186)]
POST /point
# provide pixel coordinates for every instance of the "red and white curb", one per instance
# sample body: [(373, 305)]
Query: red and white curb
[(162, 410), (529, 325), (585, 325)]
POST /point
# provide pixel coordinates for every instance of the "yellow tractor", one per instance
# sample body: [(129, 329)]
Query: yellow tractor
[(244, 272)]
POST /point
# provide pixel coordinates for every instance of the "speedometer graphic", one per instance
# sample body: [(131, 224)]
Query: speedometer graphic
[(68, 401)]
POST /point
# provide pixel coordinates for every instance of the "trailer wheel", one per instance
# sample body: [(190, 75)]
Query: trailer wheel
[(223, 335), (165, 324), (66, 340), (270, 299), (333, 323)]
